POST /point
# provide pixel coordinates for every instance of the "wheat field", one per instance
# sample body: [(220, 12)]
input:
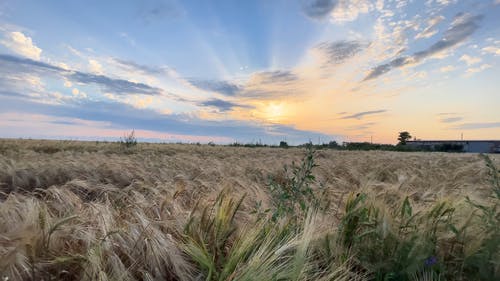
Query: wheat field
[(97, 211)]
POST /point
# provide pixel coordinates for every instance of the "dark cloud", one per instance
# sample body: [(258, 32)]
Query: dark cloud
[(451, 119), (115, 86), (19, 64), (318, 9), (340, 51), (145, 69), (446, 113), (381, 69), (222, 87), (157, 10), (461, 28), (231, 89), (123, 116), (278, 76), (222, 105), (11, 94), (62, 122), (18, 75), (15, 65), (378, 70), (362, 127), (361, 115), (266, 94), (474, 126)]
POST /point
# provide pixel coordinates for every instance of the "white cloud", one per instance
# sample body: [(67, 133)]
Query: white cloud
[(62, 65), (445, 2), (21, 44), (401, 4), (420, 74), (430, 30), (349, 10), (470, 60), (492, 49), (440, 2), (95, 67), (112, 96), (67, 84), (478, 69), (74, 51), (34, 81), (78, 94), (389, 39), (142, 102), (447, 68), (426, 33)]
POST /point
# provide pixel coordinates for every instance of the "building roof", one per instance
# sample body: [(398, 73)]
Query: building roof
[(453, 141)]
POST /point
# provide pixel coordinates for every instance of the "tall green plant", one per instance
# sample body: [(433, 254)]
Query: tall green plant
[(484, 262), (293, 194), (393, 243), (209, 235), (262, 250)]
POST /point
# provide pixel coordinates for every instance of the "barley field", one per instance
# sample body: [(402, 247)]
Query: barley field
[(101, 211)]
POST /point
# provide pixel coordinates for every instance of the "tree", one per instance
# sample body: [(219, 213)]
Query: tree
[(403, 137), (333, 144), (283, 144)]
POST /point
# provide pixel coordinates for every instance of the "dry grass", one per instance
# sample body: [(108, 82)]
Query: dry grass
[(98, 211)]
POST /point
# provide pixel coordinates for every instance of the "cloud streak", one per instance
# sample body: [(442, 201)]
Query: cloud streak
[(269, 77), (361, 127), (451, 119), (361, 115), (475, 126), (463, 26), (17, 65), (430, 30), (144, 69), (318, 9), (340, 51), (222, 87), (115, 86), (222, 105)]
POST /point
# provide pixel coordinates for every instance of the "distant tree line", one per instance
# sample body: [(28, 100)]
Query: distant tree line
[(403, 138), (129, 140)]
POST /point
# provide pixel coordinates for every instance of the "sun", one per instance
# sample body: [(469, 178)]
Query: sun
[(274, 111)]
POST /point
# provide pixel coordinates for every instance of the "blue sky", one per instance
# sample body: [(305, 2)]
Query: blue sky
[(243, 71)]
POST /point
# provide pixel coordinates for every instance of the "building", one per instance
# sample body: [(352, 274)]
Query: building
[(475, 146)]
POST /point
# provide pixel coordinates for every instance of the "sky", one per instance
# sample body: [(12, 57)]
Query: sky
[(250, 71)]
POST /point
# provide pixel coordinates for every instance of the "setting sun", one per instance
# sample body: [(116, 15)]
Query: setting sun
[(274, 111)]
